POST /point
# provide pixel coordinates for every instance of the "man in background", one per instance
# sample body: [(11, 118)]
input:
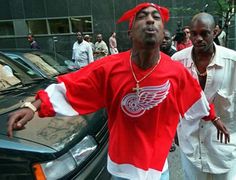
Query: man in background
[(220, 38), (33, 42), (88, 39), (82, 53), (166, 46), (185, 41), (113, 44), (101, 49)]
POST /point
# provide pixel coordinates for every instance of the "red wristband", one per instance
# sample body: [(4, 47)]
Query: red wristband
[(212, 113)]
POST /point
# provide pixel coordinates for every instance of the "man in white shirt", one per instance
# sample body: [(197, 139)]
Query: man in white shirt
[(214, 66), (88, 39), (82, 53)]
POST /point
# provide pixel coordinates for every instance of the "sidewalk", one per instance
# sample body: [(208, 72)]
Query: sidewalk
[(176, 171)]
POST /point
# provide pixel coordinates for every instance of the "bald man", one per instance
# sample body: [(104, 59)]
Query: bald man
[(214, 67), (100, 48)]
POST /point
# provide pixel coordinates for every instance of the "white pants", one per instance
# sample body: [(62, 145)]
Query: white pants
[(114, 51), (193, 173), (164, 176)]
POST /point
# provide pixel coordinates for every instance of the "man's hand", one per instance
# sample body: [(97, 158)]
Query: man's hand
[(18, 119), (221, 131)]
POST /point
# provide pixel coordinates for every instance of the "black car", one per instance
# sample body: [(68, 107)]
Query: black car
[(48, 148), (47, 64)]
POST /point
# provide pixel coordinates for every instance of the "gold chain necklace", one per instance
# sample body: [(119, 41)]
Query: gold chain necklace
[(204, 73), (137, 88)]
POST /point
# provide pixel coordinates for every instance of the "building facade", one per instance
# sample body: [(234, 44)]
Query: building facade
[(55, 22)]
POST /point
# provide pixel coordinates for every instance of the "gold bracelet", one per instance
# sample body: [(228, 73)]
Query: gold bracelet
[(216, 119), (29, 105)]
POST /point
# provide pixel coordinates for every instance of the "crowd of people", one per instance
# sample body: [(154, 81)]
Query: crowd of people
[(171, 43), (85, 51), (150, 91), (83, 54)]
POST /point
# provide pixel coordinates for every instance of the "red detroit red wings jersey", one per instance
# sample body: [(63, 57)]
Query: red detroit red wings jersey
[(141, 127)]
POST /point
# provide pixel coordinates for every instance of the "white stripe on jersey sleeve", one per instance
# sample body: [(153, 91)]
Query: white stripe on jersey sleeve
[(57, 96), (199, 109)]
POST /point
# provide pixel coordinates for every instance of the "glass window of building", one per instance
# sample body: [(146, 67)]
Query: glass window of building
[(59, 26), (37, 26), (6, 28), (83, 24)]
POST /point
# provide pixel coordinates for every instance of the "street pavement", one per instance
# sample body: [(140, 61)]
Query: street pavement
[(175, 168)]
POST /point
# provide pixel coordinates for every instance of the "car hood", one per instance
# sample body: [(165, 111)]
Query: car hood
[(53, 133)]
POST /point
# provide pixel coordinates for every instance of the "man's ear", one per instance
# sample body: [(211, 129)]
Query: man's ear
[(130, 34), (215, 32)]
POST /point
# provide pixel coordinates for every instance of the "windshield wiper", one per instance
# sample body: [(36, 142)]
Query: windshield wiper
[(37, 80), (12, 88), (20, 86)]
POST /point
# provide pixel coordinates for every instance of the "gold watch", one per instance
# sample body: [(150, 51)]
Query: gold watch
[(29, 105)]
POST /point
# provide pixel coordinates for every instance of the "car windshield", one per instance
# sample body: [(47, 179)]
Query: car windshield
[(51, 64)]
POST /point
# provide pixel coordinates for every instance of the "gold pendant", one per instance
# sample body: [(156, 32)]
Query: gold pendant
[(137, 89)]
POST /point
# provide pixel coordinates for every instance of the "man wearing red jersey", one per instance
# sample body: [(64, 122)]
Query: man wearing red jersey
[(144, 91)]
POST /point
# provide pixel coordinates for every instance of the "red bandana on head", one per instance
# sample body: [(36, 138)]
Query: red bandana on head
[(130, 14)]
